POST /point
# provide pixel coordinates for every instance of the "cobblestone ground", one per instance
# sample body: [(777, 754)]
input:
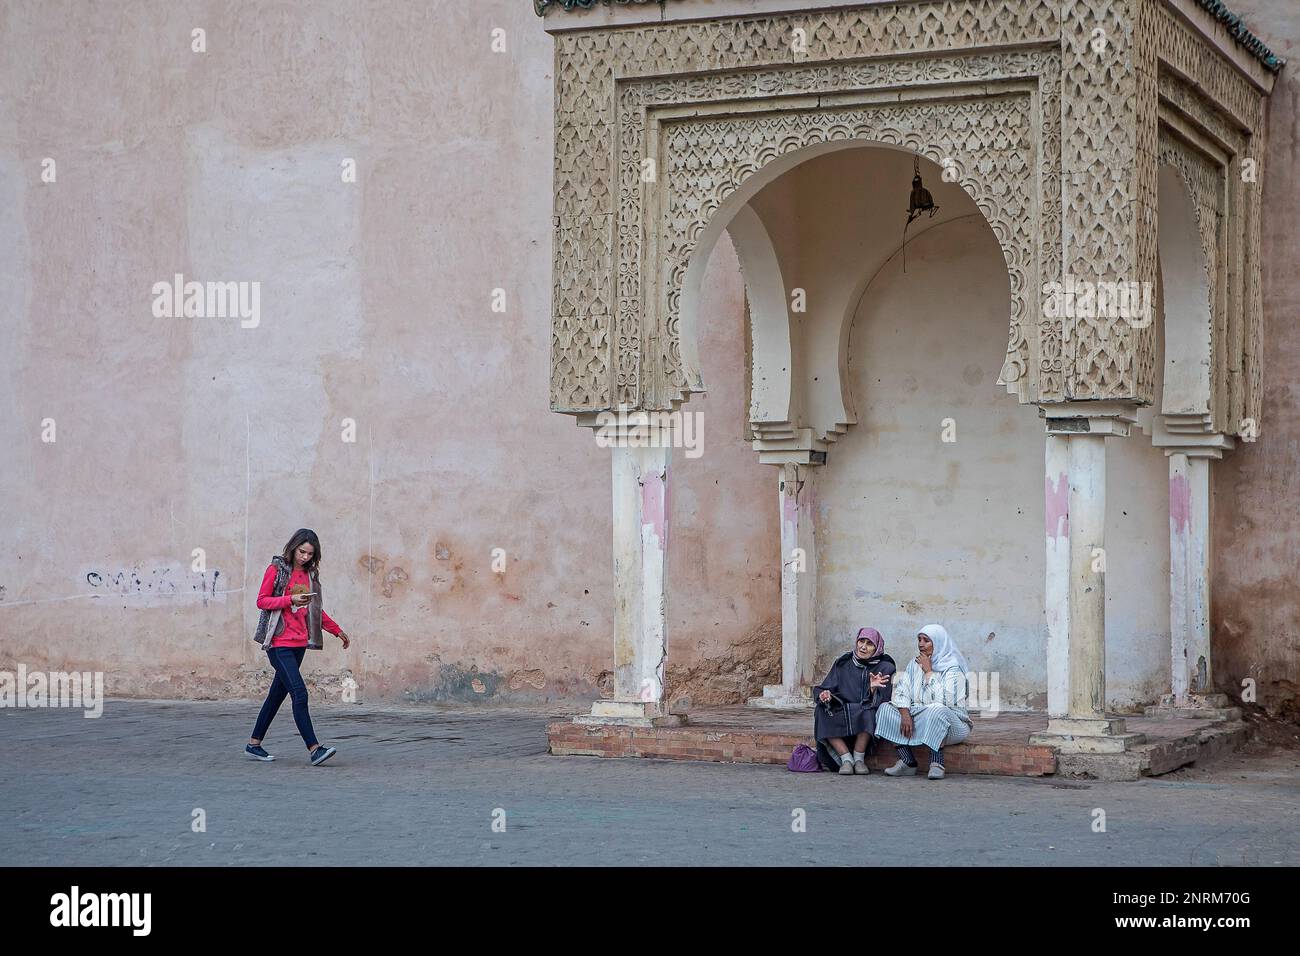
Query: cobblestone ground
[(412, 787)]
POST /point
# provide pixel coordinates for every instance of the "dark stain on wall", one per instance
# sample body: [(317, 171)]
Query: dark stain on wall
[(457, 683)]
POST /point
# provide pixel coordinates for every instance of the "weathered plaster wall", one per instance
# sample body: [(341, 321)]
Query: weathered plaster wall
[(175, 434), (1256, 589), (915, 530), (724, 547), (376, 305)]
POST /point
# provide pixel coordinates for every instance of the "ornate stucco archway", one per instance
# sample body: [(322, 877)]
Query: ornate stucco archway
[(1057, 115)]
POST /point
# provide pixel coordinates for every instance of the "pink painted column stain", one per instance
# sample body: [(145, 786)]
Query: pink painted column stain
[(654, 501), (790, 509), (806, 502), (1058, 506), (1180, 503)]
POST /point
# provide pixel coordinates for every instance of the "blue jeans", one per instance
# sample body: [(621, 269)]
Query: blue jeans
[(288, 682)]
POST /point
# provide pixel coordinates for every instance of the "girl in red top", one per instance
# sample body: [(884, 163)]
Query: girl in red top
[(291, 622)]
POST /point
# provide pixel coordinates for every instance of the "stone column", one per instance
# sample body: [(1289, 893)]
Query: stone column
[(796, 498), (1191, 677), (1076, 577), (1057, 592), (640, 464)]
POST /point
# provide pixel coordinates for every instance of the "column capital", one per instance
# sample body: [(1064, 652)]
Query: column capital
[(1089, 418), (782, 459), (784, 444), (646, 428), (1205, 445)]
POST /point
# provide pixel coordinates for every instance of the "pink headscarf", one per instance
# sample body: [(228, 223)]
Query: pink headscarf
[(875, 637)]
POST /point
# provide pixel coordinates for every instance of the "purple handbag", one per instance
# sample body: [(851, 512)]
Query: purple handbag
[(804, 760)]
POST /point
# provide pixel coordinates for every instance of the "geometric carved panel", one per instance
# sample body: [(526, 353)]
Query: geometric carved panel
[(598, 335), (1056, 142)]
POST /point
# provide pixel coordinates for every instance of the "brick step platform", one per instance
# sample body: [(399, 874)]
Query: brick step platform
[(997, 745), (1172, 742)]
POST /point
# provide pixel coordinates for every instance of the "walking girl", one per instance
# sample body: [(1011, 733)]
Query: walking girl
[(291, 622)]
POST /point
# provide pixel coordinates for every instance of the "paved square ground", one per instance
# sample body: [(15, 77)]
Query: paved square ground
[(420, 787)]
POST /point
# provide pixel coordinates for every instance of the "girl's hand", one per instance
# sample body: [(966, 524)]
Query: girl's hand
[(300, 600), (343, 636)]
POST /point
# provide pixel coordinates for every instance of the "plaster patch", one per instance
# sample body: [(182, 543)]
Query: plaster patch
[(394, 576), (739, 672), (530, 678)]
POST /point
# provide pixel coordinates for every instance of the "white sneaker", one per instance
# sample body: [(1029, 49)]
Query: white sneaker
[(846, 768), (900, 769), (936, 771)]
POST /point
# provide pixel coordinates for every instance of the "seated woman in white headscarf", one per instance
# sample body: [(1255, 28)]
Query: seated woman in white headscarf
[(928, 705)]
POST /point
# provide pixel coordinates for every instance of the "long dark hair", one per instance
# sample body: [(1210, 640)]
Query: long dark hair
[(303, 536)]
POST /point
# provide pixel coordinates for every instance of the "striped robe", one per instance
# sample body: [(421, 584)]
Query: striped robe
[(937, 706)]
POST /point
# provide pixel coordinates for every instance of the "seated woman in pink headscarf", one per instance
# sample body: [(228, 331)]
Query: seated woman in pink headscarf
[(857, 683), (928, 705)]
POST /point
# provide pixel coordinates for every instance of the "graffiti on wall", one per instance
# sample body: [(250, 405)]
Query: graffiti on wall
[(155, 581)]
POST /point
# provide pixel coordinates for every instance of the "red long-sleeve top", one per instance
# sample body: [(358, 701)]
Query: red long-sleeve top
[(295, 619)]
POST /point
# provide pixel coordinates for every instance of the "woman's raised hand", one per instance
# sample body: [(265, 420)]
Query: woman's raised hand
[(824, 696), (878, 680)]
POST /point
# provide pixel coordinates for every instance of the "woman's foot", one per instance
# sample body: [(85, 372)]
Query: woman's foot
[(936, 771), (256, 752), (321, 754), (900, 769)]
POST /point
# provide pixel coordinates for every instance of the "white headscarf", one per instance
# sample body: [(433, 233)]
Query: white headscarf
[(945, 654)]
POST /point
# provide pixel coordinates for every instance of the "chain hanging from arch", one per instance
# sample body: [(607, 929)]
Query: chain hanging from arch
[(919, 202)]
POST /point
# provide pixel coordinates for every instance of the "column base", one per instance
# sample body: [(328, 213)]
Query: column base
[(1212, 701), (1087, 735), (630, 713), (1196, 707), (780, 697)]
